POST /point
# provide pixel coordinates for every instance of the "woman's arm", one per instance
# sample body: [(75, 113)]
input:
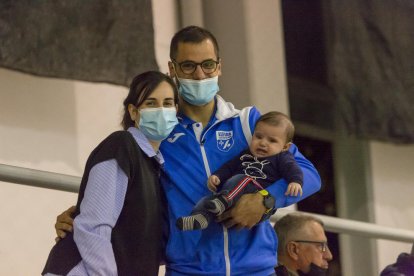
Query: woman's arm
[(99, 210)]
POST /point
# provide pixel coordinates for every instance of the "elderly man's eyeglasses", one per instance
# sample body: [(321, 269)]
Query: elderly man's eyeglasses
[(188, 67), (322, 245)]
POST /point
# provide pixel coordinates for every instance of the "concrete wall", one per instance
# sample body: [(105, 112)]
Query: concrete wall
[(51, 125), (393, 192), (252, 51)]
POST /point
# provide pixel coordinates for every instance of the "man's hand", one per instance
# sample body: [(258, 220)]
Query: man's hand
[(247, 212), (64, 223)]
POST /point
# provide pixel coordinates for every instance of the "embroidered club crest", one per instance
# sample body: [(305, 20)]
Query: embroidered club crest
[(224, 140)]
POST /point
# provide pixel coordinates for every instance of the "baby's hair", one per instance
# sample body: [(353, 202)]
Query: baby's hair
[(276, 118)]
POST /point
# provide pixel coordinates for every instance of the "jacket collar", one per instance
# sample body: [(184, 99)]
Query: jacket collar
[(223, 110)]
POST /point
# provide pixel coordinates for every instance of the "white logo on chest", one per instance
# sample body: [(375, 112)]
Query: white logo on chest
[(224, 140), (175, 137)]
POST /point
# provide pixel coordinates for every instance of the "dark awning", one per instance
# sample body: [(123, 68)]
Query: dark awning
[(97, 40), (372, 67)]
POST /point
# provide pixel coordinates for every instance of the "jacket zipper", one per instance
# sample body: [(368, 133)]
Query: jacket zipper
[(201, 141)]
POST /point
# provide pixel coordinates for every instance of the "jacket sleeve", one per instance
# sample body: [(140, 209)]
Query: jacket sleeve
[(311, 182), (289, 169)]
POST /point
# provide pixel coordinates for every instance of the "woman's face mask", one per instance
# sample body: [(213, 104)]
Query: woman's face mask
[(157, 123), (198, 92)]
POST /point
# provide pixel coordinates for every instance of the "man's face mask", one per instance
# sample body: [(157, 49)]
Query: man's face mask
[(314, 271), (198, 92)]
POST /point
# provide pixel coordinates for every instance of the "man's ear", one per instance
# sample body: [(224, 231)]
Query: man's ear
[(287, 146), (171, 69), (292, 250), (219, 67), (133, 112)]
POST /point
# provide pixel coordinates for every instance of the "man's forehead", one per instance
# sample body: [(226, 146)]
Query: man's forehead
[(308, 230), (197, 52), (315, 229)]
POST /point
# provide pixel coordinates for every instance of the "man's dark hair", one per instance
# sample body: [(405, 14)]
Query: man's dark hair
[(191, 34)]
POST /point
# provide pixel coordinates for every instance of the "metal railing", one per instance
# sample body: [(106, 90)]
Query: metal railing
[(42, 179), (353, 227), (70, 183)]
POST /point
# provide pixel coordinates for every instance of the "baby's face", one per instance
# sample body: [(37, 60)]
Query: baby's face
[(268, 140)]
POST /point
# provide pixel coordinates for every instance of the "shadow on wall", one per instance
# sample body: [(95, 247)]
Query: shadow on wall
[(37, 121)]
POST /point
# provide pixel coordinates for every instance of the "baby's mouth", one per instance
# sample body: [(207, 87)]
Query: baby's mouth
[(261, 151)]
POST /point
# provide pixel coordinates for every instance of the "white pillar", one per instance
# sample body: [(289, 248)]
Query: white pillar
[(252, 51)]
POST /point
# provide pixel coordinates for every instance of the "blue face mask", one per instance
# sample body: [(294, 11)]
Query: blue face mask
[(157, 123), (198, 92)]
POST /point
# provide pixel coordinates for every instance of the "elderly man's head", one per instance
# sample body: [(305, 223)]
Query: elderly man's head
[(302, 243)]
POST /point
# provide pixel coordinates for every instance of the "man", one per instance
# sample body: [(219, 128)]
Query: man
[(303, 247), (211, 132)]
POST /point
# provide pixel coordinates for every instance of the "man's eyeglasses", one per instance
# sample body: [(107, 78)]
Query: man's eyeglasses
[(323, 245), (188, 67)]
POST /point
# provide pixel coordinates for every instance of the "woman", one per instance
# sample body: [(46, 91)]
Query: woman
[(117, 225)]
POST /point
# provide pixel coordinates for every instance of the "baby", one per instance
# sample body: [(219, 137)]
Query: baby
[(265, 161)]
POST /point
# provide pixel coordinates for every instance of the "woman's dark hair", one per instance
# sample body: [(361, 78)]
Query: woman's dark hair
[(192, 34), (141, 88)]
